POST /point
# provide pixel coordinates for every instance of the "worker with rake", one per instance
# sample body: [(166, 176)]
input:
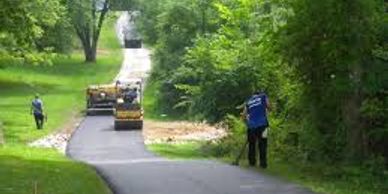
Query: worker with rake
[(255, 115), (37, 111)]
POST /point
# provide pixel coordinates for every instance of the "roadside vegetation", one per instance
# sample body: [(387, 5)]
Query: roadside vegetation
[(343, 178), (45, 57), (33, 170), (188, 150), (319, 177), (322, 65)]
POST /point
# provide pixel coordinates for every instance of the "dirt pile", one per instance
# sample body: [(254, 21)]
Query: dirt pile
[(180, 131)]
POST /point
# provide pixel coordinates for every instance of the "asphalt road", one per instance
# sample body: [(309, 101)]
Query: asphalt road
[(123, 161)]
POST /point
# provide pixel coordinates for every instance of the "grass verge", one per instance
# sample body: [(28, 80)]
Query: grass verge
[(319, 178), (149, 101), (61, 86), (45, 171), (62, 89), (150, 104), (190, 150)]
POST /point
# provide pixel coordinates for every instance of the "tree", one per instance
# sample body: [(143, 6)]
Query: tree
[(29, 35), (23, 22), (87, 17), (331, 45)]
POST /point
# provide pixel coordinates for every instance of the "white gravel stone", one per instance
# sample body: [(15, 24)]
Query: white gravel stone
[(56, 141)]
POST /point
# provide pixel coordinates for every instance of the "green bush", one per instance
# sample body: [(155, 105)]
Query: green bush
[(230, 145), (323, 66)]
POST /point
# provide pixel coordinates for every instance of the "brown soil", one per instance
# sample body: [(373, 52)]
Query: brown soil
[(180, 131)]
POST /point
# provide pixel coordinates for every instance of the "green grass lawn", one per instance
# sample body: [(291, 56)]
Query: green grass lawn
[(62, 89), (190, 150), (150, 104), (61, 86), (44, 171), (319, 178), (323, 178)]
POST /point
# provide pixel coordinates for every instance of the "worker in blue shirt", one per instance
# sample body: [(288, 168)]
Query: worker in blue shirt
[(130, 96), (255, 115), (37, 111)]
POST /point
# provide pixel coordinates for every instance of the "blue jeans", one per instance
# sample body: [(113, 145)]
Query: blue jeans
[(39, 118)]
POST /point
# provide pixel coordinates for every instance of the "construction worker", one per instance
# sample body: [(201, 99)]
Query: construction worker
[(255, 115), (117, 83), (37, 111), (118, 88), (136, 99), (130, 95)]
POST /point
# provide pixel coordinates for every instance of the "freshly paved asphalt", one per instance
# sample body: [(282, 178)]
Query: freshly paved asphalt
[(123, 161)]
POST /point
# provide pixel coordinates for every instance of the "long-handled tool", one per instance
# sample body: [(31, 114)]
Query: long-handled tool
[(237, 161)]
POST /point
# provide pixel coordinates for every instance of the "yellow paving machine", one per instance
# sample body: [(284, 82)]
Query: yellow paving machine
[(128, 116), (101, 98), (128, 109)]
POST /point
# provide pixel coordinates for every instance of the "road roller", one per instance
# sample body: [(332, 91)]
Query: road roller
[(128, 111)]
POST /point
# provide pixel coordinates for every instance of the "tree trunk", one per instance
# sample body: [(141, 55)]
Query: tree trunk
[(89, 30), (90, 54), (357, 142)]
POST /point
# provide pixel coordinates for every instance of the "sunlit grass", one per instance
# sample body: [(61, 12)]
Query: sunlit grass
[(190, 150), (31, 170), (62, 89), (61, 86)]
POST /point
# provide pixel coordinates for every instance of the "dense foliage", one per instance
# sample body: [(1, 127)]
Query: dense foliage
[(343, 81), (32, 31), (29, 34), (324, 66)]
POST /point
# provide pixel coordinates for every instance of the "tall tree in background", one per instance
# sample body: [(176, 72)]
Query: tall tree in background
[(87, 17)]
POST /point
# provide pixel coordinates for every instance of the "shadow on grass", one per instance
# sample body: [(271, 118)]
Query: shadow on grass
[(67, 67), (21, 88), (13, 106)]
